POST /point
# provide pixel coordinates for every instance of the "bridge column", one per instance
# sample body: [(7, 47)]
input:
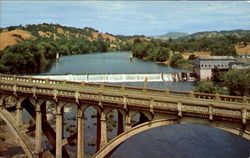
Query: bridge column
[(244, 115), (179, 106), (210, 109), (127, 123), (1, 101), (103, 130), (38, 147), (120, 123), (98, 131), (80, 134), (151, 104), (19, 114), (59, 130)]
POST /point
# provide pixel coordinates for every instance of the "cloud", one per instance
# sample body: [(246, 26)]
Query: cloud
[(131, 17)]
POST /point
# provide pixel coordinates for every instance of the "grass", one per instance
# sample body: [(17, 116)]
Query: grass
[(13, 37)]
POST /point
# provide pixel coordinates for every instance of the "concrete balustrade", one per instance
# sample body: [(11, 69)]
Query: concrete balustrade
[(126, 88)]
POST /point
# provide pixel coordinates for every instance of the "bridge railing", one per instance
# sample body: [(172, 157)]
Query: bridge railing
[(128, 88)]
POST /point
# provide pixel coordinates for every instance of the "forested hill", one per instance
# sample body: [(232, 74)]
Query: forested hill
[(24, 49), (217, 34), (64, 34)]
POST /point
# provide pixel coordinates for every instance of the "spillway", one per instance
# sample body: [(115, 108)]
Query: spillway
[(115, 78)]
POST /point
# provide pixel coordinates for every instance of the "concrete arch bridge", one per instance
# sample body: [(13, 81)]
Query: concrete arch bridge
[(156, 108)]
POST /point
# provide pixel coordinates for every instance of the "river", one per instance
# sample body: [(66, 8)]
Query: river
[(173, 141)]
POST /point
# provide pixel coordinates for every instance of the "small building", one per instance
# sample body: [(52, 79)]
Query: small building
[(244, 56), (239, 65), (204, 66)]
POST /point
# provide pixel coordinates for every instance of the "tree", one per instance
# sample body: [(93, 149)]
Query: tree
[(162, 54), (143, 50), (24, 56), (176, 59), (191, 57), (178, 46), (208, 87), (49, 49), (137, 41), (164, 44), (223, 49), (237, 82)]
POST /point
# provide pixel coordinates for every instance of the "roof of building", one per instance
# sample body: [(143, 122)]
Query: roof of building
[(216, 57), (239, 63), (244, 55)]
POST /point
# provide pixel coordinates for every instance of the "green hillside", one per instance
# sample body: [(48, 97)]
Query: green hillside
[(218, 34), (172, 35)]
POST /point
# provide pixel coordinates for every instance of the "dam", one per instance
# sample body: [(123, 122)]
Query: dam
[(124, 77)]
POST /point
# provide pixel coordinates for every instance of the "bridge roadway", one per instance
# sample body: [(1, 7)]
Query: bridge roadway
[(159, 107)]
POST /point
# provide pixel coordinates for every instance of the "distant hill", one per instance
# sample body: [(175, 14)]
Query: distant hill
[(172, 35), (215, 34)]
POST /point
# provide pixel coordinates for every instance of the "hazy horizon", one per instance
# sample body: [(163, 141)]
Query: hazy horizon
[(149, 18)]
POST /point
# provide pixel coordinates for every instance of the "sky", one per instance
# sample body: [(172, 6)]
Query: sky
[(150, 18)]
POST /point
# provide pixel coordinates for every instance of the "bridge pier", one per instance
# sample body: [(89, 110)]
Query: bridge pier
[(80, 134), (38, 147), (127, 123), (98, 131), (120, 123), (19, 114), (103, 130), (59, 130)]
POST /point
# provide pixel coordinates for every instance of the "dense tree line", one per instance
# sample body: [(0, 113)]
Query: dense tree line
[(178, 61), (235, 81), (29, 56), (218, 46), (150, 50), (158, 50), (209, 87)]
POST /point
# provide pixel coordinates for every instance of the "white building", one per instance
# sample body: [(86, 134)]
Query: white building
[(204, 66)]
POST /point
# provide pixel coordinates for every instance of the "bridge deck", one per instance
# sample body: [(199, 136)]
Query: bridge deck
[(148, 99)]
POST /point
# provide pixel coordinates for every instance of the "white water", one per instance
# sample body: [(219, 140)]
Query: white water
[(115, 78)]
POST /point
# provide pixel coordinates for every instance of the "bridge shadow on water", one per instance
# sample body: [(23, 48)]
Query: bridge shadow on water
[(184, 141)]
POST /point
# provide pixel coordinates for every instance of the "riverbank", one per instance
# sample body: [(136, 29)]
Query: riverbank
[(182, 63), (9, 146)]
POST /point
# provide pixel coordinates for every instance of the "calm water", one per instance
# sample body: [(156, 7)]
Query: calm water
[(104, 63), (173, 141)]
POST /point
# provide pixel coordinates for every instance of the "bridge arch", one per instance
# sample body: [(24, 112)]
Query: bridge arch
[(9, 102), (148, 115), (122, 111), (85, 107), (228, 127), (22, 137)]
